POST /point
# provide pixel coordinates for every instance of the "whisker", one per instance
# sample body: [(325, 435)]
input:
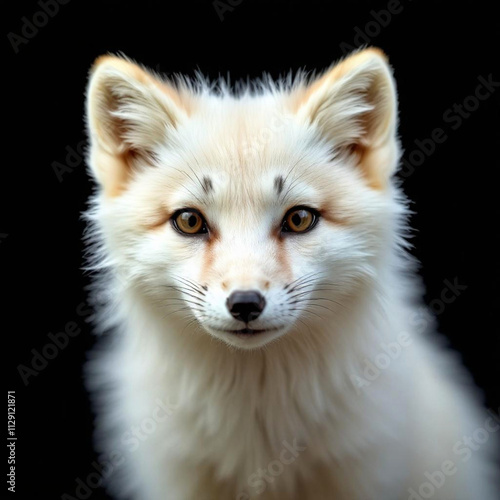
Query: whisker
[(193, 307), (320, 305), (178, 299), (301, 279), (189, 284), (189, 324), (329, 300), (177, 311), (307, 311), (183, 291), (312, 283), (305, 324)]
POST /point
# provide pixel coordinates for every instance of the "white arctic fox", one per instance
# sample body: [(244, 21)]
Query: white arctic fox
[(266, 340)]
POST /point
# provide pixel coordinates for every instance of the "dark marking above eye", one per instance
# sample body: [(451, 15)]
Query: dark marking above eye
[(207, 184), (279, 183)]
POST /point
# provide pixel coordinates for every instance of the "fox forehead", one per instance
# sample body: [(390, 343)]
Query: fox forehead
[(230, 152), (253, 132)]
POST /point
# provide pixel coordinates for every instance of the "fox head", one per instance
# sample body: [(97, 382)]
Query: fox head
[(253, 215)]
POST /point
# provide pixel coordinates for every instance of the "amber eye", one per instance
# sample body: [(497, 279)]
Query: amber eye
[(299, 220), (189, 221)]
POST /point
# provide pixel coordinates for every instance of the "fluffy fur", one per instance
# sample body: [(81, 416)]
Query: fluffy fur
[(187, 411)]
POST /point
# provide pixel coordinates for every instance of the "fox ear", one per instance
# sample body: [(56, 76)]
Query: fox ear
[(354, 105), (129, 112)]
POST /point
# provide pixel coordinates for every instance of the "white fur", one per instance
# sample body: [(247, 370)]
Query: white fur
[(235, 401)]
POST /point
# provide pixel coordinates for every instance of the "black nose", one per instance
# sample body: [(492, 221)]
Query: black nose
[(246, 306)]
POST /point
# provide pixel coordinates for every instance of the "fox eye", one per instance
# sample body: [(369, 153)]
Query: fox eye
[(299, 220), (189, 221)]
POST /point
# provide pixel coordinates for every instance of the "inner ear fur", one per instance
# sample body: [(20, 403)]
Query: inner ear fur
[(354, 107), (129, 113)]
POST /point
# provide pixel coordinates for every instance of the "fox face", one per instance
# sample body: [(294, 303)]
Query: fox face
[(252, 216)]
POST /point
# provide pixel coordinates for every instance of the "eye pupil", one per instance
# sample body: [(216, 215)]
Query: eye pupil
[(192, 221), (296, 219)]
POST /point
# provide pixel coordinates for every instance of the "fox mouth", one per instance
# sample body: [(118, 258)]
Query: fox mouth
[(247, 337), (248, 331)]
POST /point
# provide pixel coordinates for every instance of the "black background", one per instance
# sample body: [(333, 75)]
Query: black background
[(438, 52)]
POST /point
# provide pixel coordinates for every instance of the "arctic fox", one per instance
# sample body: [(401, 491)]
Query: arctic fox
[(263, 329)]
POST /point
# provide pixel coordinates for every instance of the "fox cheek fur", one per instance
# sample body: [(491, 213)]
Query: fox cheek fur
[(248, 335)]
